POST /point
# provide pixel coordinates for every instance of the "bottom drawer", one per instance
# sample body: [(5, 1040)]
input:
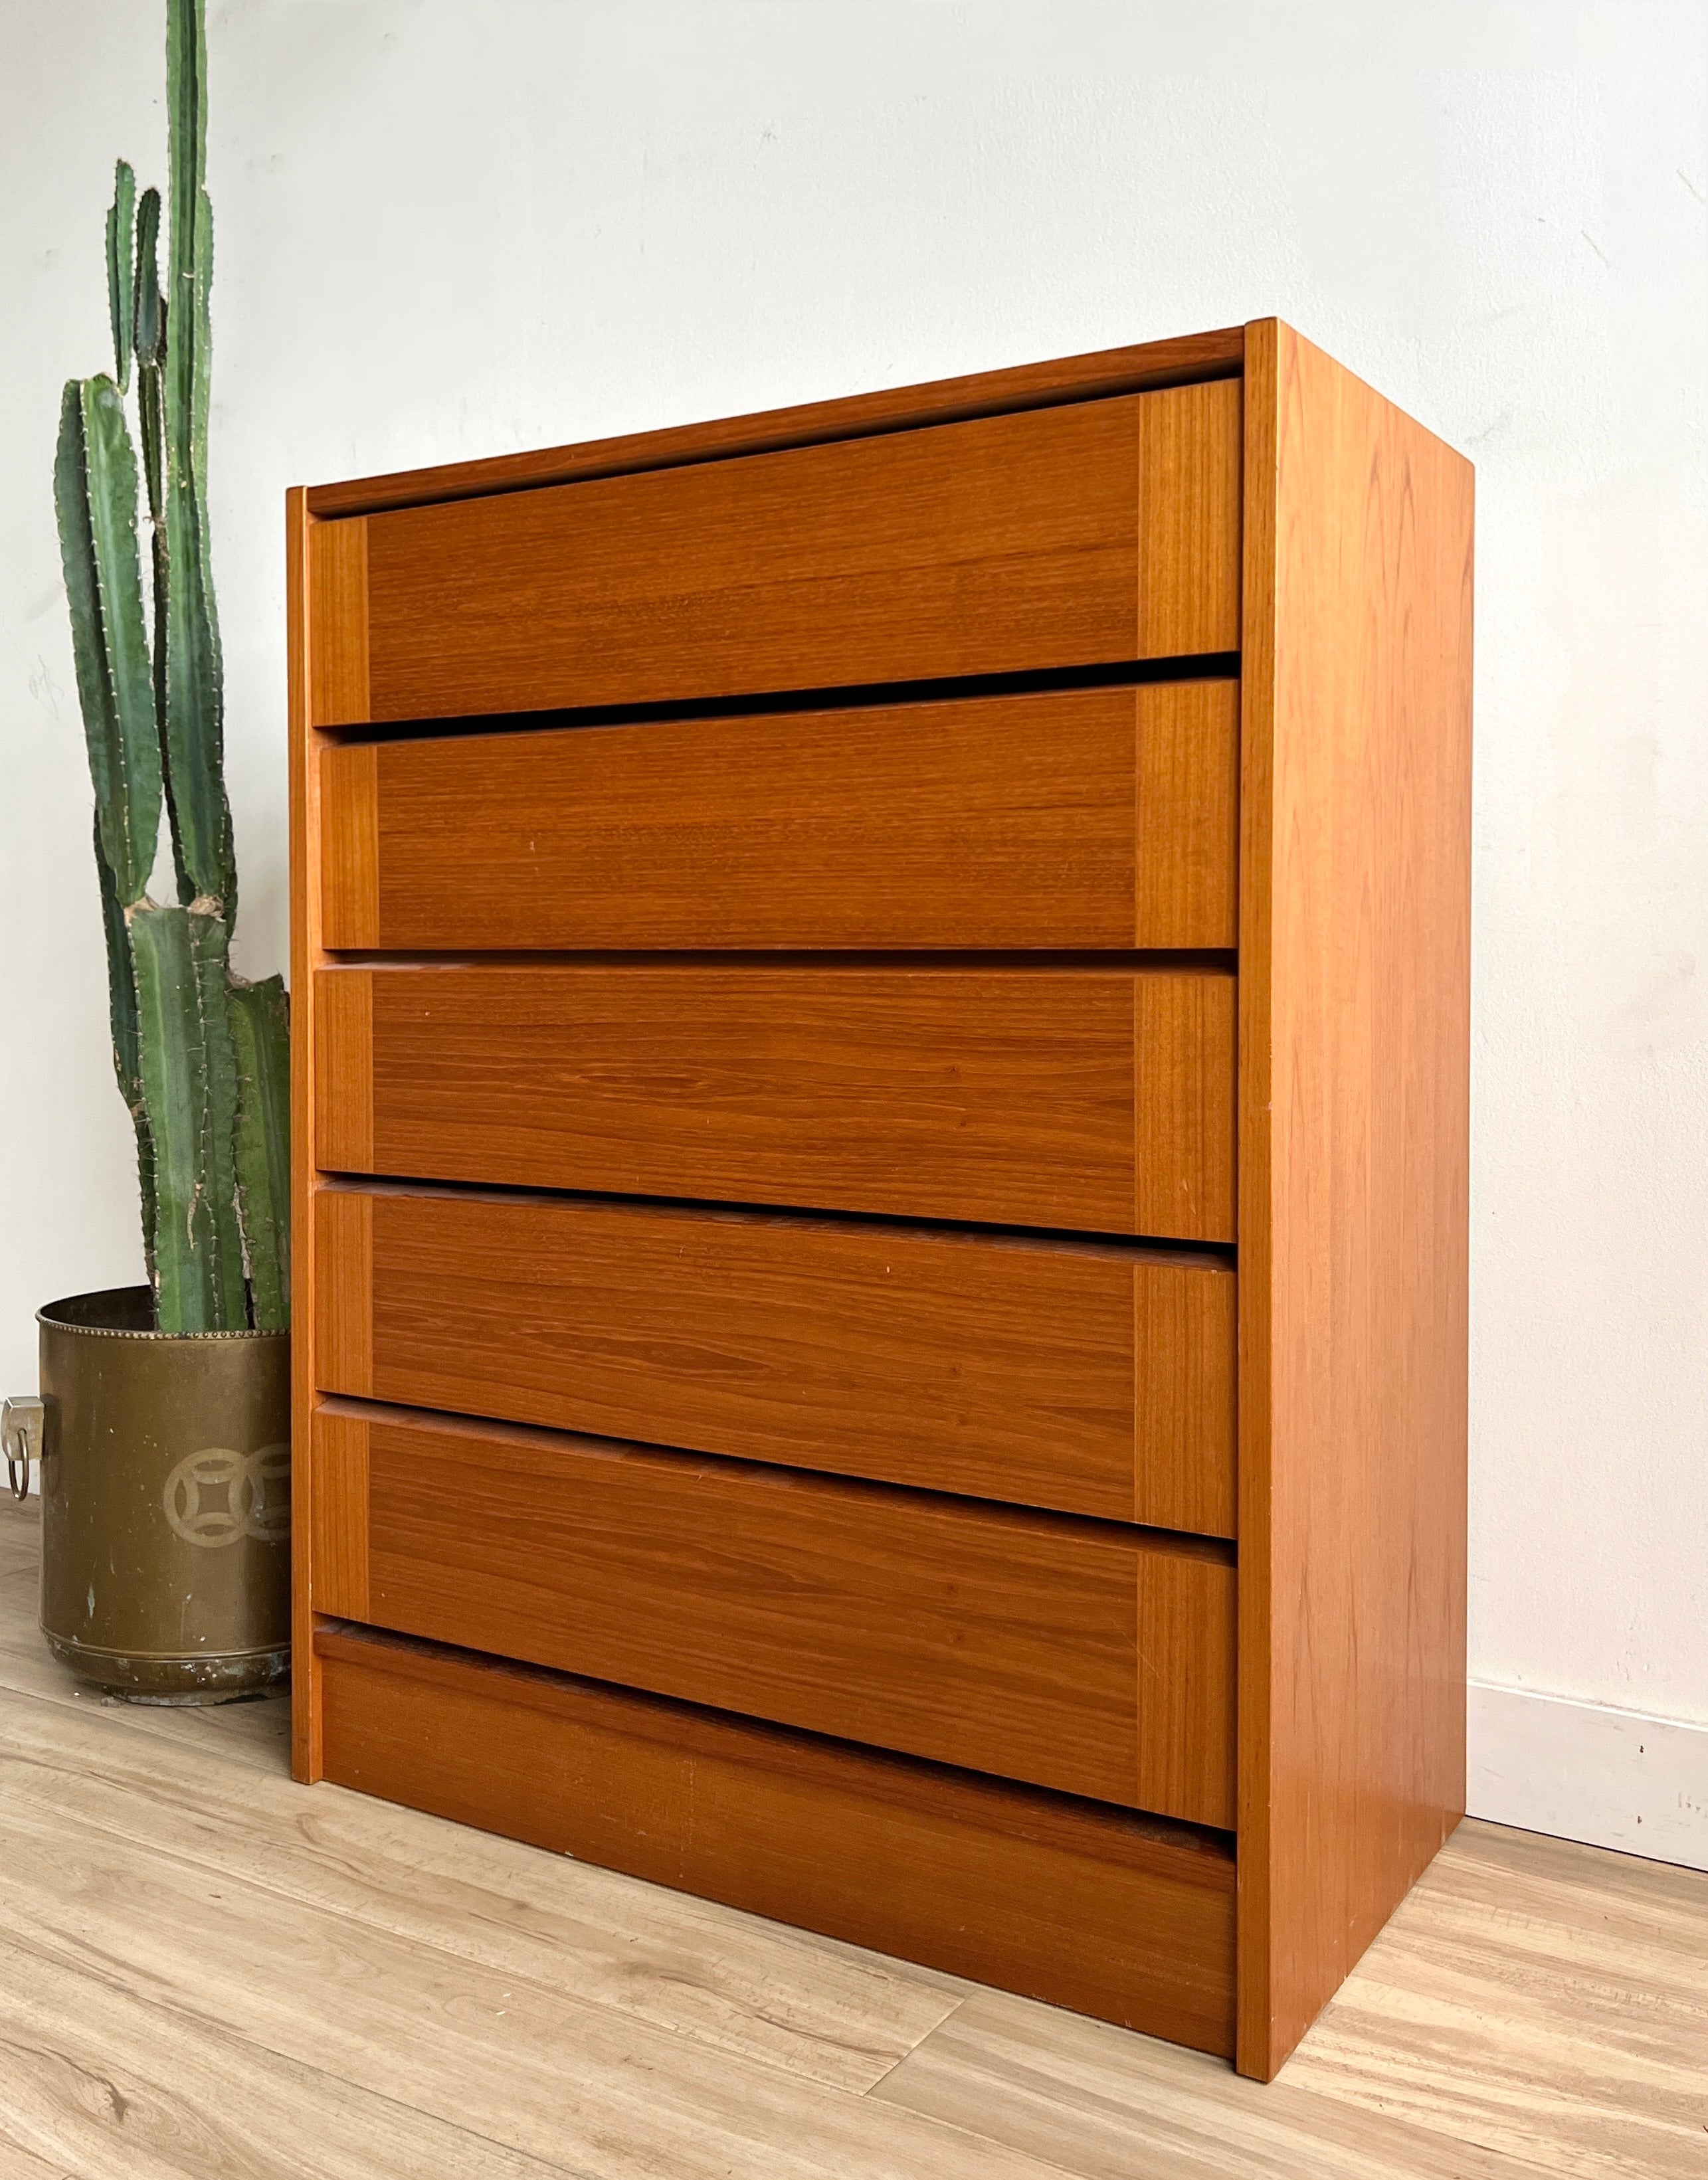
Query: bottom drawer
[(1068, 1902), (1085, 1656)]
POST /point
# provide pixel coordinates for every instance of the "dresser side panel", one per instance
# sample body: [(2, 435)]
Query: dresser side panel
[(1354, 1179)]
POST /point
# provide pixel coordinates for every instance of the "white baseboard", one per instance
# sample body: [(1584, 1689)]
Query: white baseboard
[(1582, 1771)]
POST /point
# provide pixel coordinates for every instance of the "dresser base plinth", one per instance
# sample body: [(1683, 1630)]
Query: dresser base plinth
[(1081, 1905)]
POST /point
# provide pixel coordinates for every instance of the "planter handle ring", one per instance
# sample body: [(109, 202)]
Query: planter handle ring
[(20, 1438)]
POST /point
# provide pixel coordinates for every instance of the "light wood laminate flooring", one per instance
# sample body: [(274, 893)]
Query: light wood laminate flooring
[(208, 1971)]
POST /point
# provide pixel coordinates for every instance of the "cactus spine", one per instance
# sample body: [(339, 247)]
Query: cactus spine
[(201, 1057)]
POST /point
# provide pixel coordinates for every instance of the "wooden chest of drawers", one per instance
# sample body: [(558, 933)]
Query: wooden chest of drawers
[(881, 1115)]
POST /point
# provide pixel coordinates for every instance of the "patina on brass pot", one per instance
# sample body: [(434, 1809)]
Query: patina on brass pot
[(165, 1501)]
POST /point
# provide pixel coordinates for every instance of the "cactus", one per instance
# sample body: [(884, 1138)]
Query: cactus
[(201, 1055)]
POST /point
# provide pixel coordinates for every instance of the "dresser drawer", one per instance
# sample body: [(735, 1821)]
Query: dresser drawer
[(1082, 1656), (1100, 1100), (1100, 531), (1093, 1380), (1097, 818)]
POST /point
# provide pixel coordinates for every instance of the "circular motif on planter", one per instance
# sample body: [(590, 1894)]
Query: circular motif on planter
[(218, 1497)]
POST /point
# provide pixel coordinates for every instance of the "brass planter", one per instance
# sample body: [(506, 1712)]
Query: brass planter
[(165, 1501)]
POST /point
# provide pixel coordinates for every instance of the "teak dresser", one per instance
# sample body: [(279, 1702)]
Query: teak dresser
[(881, 1114)]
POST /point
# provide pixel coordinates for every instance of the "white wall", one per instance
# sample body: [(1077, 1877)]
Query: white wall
[(458, 226)]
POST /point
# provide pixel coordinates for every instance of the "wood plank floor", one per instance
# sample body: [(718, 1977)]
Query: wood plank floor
[(208, 1971)]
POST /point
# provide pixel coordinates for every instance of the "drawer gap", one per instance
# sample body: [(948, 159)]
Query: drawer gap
[(1118, 673), (419, 1656), (1162, 1249), (1182, 1544), (817, 962)]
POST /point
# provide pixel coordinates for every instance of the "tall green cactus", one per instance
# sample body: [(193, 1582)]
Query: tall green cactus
[(201, 1057)]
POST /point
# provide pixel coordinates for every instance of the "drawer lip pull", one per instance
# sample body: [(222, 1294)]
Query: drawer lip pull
[(1076, 1241), (1212, 1848), (830, 700), (1142, 1536)]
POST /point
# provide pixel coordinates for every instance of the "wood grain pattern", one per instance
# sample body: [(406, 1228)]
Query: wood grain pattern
[(1189, 463), (1102, 2105), (1184, 1437), (1096, 1099), (726, 1984), (1533, 2007), (1585, 1967), (1096, 818), (340, 1561), (1260, 2043), (305, 956), (1005, 545), (1185, 1027), (1094, 377), (532, 2068), (343, 1074), (1099, 1100), (1353, 1146), (1019, 1643), (110, 2079), (1107, 2107), (1092, 1380), (337, 606), (349, 798), (1187, 1644), (1078, 1904), (1187, 765), (342, 1333)]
